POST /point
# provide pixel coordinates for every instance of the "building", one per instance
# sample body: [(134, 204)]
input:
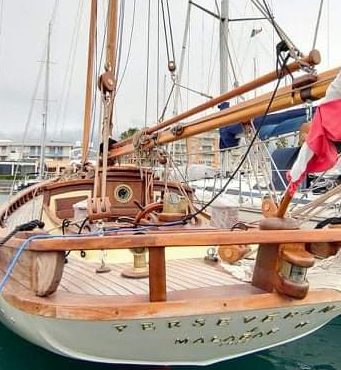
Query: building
[(57, 155), (200, 149)]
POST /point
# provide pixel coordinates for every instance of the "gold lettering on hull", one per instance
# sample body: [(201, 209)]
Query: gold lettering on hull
[(229, 340), (148, 326), (120, 328), (248, 319), (199, 322), (174, 324), (302, 324), (224, 322)]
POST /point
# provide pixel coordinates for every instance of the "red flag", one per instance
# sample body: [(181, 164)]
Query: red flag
[(319, 154)]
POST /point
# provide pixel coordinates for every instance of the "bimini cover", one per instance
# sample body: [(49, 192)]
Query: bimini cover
[(283, 159), (273, 125)]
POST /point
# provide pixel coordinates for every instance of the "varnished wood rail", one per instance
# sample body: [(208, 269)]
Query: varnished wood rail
[(21, 198), (184, 239), (156, 241)]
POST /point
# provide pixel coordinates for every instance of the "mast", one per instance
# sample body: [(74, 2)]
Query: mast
[(108, 89), (110, 61), (46, 105), (89, 81), (223, 43)]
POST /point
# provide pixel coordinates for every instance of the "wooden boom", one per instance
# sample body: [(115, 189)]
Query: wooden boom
[(312, 59), (285, 97)]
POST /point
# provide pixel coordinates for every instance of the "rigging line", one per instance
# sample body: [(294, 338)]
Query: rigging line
[(73, 49), (280, 76), (28, 121), (317, 24), (98, 70), (129, 48), (194, 91), (147, 72), (120, 30), (265, 10), (166, 105), (158, 62), (54, 11), (211, 55), (94, 92), (170, 31), (165, 30), (1, 25), (75, 34)]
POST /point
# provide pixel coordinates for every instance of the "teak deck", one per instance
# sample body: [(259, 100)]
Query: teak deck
[(80, 277)]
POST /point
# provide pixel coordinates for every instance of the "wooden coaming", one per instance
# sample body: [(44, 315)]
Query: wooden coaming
[(39, 272)]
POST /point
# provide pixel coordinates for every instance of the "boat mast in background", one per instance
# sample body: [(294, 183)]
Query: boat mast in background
[(223, 43), (46, 105)]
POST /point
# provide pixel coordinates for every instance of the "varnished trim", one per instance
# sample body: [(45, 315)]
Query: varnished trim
[(183, 239), (85, 307)]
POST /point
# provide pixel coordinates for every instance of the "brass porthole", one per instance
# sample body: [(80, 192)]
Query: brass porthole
[(123, 193)]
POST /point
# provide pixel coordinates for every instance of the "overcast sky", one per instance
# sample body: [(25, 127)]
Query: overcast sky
[(23, 35)]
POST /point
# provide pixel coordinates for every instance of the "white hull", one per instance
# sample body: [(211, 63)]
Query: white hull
[(190, 340)]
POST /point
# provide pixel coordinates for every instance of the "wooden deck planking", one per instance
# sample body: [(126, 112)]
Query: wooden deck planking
[(80, 277), (197, 275), (215, 275), (114, 276), (95, 283), (111, 279)]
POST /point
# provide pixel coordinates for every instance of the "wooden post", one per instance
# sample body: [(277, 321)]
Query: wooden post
[(157, 275), (265, 267)]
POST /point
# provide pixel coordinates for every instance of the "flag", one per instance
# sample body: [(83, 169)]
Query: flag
[(255, 31), (318, 153)]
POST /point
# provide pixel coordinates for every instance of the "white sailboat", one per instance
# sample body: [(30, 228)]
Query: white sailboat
[(177, 309)]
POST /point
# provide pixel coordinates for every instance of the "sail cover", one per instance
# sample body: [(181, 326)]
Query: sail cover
[(273, 125)]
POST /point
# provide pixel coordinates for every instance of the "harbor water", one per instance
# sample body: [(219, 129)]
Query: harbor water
[(318, 351)]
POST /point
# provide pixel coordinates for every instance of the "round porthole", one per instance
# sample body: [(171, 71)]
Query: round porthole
[(123, 193)]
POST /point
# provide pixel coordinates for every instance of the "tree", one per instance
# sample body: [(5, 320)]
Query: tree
[(130, 132)]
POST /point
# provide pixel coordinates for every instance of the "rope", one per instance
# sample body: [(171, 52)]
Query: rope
[(147, 71), (317, 24), (64, 101), (169, 49), (27, 226), (331, 221), (129, 49), (245, 154)]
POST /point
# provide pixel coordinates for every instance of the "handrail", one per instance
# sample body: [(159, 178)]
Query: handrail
[(184, 239)]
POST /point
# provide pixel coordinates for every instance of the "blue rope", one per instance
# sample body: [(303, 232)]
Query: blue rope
[(26, 243)]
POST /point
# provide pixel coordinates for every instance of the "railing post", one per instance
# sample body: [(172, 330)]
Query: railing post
[(157, 275)]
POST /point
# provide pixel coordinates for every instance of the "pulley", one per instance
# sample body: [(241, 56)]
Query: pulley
[(171, 66), (106, 82)]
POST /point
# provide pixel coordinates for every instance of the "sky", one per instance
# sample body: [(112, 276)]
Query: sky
[(23, 38)]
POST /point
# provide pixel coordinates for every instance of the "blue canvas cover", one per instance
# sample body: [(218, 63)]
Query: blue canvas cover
[(274, 124)]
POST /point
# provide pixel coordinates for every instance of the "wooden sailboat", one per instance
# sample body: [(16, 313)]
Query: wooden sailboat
[(180, 308)]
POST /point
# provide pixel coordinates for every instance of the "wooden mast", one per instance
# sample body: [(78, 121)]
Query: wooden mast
[(89, 81), (110, 61), (108, 87), (285, 97)]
